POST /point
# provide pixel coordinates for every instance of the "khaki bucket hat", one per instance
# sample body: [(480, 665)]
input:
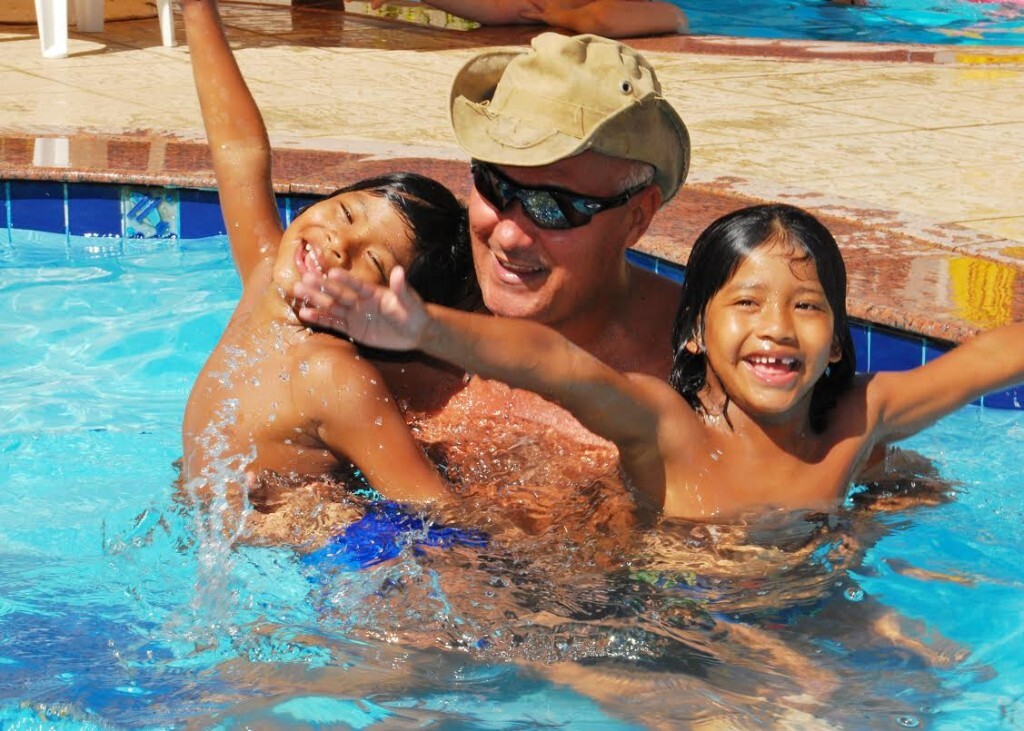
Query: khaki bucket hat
[(563, 96)]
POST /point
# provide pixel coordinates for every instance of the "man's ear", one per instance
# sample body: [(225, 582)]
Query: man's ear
[(643, 206)]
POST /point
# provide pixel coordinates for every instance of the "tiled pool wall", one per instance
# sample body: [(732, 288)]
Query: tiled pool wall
[(129, 212)]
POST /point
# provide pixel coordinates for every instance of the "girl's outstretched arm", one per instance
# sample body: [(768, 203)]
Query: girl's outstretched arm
[(908, 401), (521, 353), (237, 138), (610, 18)]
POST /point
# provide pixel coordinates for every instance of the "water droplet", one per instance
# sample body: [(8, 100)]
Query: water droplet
[(303, 367), (854, 593), (908, 721), (285, 376), (379, 421)]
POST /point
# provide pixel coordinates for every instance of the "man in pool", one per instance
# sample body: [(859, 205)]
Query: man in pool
[(574, 151)]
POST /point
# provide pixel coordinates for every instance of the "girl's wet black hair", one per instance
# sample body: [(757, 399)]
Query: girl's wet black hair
[(717, 254), (442, 269)]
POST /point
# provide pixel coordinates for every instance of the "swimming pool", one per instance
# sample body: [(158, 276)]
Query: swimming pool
[(881, 21), (119, 610)]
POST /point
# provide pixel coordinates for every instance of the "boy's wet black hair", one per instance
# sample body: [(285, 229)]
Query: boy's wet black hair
[(442, 270), (717, 254)]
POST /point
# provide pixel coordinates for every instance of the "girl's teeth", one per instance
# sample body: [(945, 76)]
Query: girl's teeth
[(765, 360)]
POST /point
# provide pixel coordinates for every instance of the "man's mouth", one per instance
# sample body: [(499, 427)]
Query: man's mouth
[(521, 271)]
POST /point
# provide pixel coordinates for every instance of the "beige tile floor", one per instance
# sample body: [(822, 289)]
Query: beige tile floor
[(939, 143)]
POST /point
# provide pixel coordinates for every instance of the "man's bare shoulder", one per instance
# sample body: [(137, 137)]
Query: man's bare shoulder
[(656, 285), (642, 342)]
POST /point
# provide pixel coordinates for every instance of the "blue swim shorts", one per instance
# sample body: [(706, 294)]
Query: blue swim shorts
[(383, 533)]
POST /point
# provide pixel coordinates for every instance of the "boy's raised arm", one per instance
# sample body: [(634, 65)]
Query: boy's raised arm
[(909, 401), (237, 138)]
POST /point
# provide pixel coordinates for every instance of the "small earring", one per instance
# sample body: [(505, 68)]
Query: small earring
[(828, 371)]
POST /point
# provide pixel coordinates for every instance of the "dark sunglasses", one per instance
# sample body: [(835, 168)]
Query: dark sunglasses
[(546, 207)]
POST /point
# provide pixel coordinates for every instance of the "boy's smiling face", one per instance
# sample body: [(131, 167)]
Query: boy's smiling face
[(769, 336), (358, 231)]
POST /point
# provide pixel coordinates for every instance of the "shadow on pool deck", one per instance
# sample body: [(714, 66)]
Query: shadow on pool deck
[(909, 153)]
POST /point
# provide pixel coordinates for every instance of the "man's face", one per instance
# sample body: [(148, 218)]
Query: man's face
[(555, 276)]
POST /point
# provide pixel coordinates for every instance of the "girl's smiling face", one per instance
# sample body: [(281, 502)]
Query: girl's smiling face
[(358, 231), (768, 336)]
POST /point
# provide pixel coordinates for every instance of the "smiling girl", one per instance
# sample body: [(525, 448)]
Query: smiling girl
[(763, 409)]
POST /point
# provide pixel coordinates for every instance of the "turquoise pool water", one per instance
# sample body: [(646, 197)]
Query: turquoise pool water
[(881, 21), (119, 610)]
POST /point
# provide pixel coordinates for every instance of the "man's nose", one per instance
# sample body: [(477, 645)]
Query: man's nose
[(512, 230)]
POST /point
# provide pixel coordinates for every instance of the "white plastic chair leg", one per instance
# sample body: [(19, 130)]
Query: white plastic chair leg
[(90, 15), (52, 19), (165, 13)]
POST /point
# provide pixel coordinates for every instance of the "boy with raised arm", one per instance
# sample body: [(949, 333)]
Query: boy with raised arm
[(277, 397)]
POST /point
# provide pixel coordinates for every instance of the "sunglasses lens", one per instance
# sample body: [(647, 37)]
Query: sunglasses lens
[(575, 210), (546, 208)]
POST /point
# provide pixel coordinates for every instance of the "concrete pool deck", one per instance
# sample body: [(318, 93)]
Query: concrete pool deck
[(911, 154)]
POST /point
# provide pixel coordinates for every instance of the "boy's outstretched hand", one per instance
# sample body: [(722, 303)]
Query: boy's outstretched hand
[(384, 317)]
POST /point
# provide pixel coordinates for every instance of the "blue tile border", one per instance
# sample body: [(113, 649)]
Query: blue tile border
[(141, 212), (199, 214), (5, 212), (94, 210), (38, 205), (668, 269)]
